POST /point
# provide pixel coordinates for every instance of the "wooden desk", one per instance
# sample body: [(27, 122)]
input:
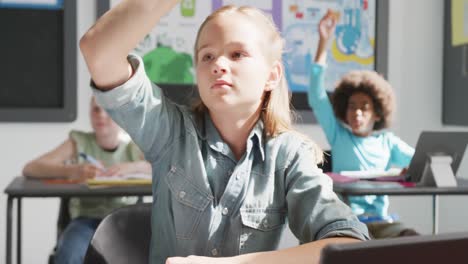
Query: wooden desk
[(376, 188), (22, 187)]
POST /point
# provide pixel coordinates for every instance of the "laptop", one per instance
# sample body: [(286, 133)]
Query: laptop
[(429, 143), (428, 249)]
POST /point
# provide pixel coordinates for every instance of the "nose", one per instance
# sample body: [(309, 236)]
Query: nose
[(219, 66), (358, 112)]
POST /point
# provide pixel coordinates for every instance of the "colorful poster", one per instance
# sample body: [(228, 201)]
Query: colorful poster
[(171, 42), (351, 49), (459, 22)]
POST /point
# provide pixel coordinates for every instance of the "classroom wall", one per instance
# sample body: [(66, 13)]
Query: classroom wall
[(21, 142), (415, 70)]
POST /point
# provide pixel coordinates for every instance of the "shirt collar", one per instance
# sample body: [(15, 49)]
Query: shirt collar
[(214, 140)]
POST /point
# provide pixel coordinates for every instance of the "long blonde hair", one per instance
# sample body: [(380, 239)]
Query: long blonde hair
[(276, 111)]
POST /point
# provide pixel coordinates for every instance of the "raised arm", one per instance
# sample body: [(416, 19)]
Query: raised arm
[(56, 163), (326, 29), (137, 105), (106, 45), (317, 95)]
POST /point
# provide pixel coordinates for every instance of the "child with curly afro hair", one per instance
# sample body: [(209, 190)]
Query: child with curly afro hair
[(354, 122)]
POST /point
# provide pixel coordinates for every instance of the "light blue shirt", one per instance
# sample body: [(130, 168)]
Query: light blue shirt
[(379, 151), (208, 203)]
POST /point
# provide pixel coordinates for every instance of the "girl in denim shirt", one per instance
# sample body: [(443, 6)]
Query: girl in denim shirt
[(230, 171)]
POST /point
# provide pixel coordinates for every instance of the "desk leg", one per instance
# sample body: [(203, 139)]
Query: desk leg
[(18, 234), (8, 231), (435, 214)]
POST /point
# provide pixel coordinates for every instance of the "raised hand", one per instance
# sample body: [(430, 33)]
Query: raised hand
[(326, 29), (327, 24)]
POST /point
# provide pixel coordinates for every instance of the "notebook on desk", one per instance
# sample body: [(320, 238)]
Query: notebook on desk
[(131, 179), (392, 173), (428, 249)]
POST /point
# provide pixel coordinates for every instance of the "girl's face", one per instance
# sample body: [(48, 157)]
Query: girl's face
[(101, 122), (232, 69), (360, 114)]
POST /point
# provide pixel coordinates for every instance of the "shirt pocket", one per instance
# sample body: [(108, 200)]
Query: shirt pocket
[(188, 203), (261, 229)]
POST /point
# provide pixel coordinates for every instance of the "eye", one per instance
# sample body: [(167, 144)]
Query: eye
[(352, 107), (237, 55), (207, 57), (366, 107)]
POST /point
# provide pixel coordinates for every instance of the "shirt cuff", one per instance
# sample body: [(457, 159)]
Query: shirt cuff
[(122, 94), (354, 229)]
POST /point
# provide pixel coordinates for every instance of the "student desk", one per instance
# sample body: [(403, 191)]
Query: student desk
[(22, 187), (379, 188)]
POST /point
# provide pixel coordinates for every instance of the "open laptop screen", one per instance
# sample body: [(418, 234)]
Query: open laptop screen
[(437, 143)]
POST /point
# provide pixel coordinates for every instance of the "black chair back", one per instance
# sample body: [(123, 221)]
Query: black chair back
[(123, 236)]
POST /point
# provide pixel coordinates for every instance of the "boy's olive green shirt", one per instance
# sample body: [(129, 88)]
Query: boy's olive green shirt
[(208, 203), (99, 207)]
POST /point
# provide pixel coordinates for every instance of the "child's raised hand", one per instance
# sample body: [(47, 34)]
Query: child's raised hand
[(327, 24)]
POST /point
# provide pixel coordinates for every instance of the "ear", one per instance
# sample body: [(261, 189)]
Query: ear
[(274, 79)]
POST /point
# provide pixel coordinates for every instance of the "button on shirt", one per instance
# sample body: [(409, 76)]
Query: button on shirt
[(205, 202)]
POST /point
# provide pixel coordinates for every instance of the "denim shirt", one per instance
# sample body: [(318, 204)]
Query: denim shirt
[(207, 203)]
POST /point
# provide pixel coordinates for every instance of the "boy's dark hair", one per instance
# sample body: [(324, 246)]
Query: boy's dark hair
[(372, 84)]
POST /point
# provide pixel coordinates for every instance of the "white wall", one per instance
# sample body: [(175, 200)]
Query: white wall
[(415, 70)]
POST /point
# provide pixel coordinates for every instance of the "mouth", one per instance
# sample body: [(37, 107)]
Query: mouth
[(221, 84), (356, 123)]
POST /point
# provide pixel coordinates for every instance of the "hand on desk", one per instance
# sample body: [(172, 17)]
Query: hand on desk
[(85, 171)]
